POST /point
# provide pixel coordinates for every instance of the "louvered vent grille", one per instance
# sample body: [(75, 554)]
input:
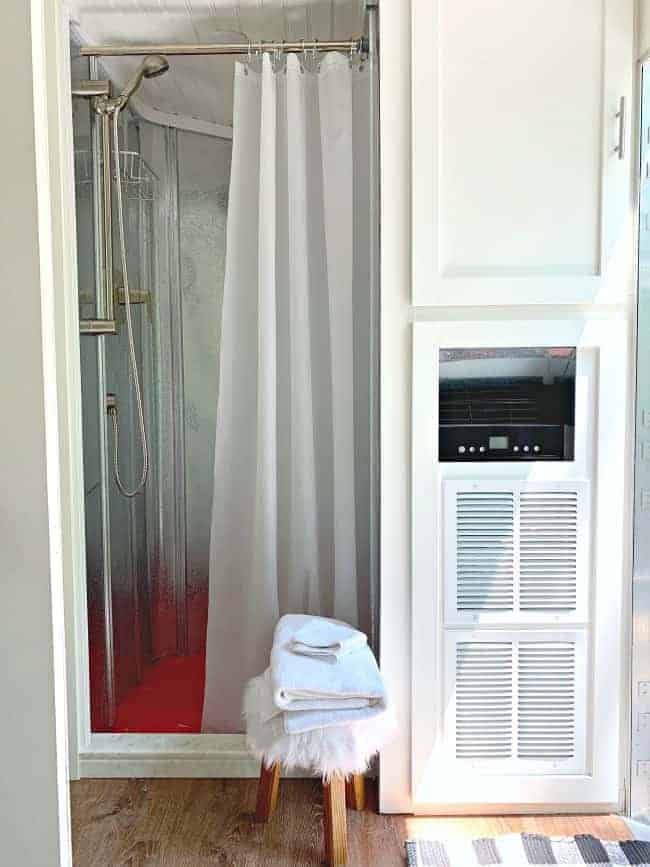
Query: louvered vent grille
[(483, 700), (485, 551), (548, 550), (546, 700)]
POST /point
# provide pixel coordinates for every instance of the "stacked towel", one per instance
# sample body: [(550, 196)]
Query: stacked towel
[(321, 704), (326, 639), (306, 683)]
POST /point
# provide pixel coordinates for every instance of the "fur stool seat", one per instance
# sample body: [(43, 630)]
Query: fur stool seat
[(340, 754)]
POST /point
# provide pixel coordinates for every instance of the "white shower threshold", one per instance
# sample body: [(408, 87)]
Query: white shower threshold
[(172, 755)]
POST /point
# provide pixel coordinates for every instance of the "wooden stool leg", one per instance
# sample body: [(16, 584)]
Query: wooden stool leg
[(267, 792), (336, 842), (355, 792)]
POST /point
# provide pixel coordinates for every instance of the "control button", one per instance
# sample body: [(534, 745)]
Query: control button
[(461, 450), (526, 448), (472, 449), (515, 448), (537, 448), (481, 449)]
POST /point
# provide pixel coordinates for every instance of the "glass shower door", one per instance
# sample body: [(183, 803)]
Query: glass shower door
[(118, 567), (148, 555)]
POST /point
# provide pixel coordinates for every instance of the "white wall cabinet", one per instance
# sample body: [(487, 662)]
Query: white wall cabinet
[(521, 189)]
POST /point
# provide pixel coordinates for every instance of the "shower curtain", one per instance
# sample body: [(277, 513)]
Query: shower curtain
[(291, 505)]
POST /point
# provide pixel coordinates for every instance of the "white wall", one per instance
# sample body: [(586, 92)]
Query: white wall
[(33, 775), (643, 27)]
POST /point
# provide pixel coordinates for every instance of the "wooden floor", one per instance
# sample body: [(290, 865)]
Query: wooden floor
[(201, 822)]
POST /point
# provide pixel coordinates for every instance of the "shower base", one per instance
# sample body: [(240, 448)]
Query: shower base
[(169, 698)]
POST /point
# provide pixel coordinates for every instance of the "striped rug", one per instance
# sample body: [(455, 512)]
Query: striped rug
[(517, 850)]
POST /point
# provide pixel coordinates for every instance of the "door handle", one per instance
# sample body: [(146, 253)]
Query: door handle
[(620, 115)]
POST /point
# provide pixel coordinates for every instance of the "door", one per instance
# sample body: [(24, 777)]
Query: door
[(521, 151)]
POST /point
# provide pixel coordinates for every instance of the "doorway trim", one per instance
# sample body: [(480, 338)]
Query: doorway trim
[(92, 754)]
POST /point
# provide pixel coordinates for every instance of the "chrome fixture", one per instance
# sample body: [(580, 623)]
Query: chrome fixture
[(105, 323), (108, 108), (348, 46), (88, 89), (152, 66), (97, 326)]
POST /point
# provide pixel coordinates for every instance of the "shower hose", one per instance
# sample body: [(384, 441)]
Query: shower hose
[(129, 328)]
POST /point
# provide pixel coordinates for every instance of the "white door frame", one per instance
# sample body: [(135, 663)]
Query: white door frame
[(104, 755), (395, 394), (101, 755), (35, 818)]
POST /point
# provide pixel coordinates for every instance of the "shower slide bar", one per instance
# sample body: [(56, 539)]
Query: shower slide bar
[(106, 325), (350, 46)]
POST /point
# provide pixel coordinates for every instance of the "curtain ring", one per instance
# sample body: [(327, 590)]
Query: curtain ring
[(277, 56), (249, 59)]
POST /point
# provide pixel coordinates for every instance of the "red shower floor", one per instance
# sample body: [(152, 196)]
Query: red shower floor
[(169, 699)]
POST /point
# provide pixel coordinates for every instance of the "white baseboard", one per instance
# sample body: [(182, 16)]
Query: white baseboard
[(509, 809), (199, 755), (215, 767)]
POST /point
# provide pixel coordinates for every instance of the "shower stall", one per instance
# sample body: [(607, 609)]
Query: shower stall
[(147, 556), (150, 478)]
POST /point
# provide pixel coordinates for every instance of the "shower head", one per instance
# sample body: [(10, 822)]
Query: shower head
[(152, 66)]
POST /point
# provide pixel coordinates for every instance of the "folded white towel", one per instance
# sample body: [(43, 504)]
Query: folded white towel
[(303, 683), (294, 722), (327, 639), (335, 749)]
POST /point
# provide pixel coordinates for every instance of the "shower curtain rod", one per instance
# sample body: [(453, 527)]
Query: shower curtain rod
[(351, 46)]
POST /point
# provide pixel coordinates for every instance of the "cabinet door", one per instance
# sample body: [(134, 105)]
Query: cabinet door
[(521, 162)]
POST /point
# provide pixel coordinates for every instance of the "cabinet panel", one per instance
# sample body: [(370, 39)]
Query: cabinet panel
[(519, 192), (517, 589)]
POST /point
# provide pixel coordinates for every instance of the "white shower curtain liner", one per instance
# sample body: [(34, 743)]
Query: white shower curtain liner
[(291, 507)]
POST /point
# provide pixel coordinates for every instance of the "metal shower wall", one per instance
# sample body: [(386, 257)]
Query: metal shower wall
[(115, 528), (137, 581)]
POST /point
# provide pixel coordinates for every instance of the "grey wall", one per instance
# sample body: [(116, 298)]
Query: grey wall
[(30, 810)]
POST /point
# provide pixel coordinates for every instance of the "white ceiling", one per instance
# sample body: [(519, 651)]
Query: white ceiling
[(200, 88)]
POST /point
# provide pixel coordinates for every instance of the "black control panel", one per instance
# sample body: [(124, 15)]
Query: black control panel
[(508, 443), (506, 419)]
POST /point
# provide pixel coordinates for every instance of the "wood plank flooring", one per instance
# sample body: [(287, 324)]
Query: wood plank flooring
[(191, 823)]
